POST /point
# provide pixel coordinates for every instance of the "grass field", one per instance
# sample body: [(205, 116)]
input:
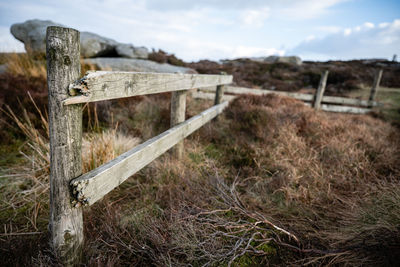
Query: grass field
[(273, 182)]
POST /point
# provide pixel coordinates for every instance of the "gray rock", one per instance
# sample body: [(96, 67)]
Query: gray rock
[(140, 65), (279, 59), (129, 51), (94, 45), (33, 34)]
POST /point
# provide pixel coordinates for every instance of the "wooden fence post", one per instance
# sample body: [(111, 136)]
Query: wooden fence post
[(65, 129), (375, 86), (320, 91), (178, 110), (219, 93)]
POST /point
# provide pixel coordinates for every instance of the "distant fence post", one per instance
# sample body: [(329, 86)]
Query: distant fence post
[(219, 93), (320, 91), (65, 129), (375, 86), (178, 110)]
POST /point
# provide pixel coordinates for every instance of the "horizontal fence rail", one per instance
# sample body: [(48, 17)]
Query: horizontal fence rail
[(345, 109), (324, 107), (300, 96), (69, 188), (93, 185), (106, 85)]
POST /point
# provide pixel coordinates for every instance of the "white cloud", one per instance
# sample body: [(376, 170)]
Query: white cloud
[(255, 17), (328, 29), (305, 9), (194, 49), (368, 25), (347, 32), (365, 41), (250, 51)]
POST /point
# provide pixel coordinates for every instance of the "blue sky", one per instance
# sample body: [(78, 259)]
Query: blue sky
[(210, 29)]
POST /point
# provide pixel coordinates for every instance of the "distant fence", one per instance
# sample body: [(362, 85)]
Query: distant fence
[(69, 188), (318, 101)]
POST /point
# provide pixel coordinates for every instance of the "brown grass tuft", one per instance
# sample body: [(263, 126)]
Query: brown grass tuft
[(270, 171)]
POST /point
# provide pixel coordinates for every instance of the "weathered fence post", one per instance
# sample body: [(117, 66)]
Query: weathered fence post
[(65, 129), (375, 86), (219, 93), (320, 91), (178, 109)]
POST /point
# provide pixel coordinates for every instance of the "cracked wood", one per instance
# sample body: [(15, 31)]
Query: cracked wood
[(104, 85)]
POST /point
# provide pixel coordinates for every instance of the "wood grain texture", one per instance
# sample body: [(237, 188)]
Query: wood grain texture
[(178, 110), (93, 185), (320, 91), (65, 123), (104, 85)]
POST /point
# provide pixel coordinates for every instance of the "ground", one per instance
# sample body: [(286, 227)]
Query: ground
[(272, 182)]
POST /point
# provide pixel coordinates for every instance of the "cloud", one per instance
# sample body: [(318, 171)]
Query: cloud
[(305, 9), (328, 29), (365, 41), (194, 49), (255, 17)]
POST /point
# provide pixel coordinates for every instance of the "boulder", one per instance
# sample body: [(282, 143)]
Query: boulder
[(139, 65), (279, 59), (33, 34), (129, 51), (94, 45), (287, 59)]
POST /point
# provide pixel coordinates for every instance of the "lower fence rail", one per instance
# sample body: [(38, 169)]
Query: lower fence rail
[(329, 103), (92, 186)]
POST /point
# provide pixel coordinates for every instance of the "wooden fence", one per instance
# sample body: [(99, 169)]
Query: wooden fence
[(69, 188), (318, 101)]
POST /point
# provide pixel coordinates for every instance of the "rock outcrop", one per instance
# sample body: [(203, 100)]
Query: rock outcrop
[(279, 59), (128, 64), (33, 34)]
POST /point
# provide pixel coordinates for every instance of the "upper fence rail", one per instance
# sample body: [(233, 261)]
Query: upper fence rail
[(106, 85)]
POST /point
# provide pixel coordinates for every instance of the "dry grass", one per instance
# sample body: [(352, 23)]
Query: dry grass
[(24, 207), (271, 183), (100, 148), (24, 65)]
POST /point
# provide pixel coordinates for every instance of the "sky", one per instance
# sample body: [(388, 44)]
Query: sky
[(225, 29)]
